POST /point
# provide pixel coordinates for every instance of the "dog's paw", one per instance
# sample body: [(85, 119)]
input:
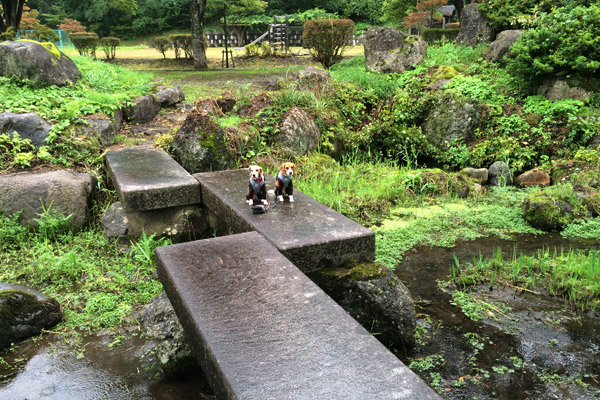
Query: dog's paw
[(265, 202), (280, 197), (270, 191), (291, 199), (249, 202)]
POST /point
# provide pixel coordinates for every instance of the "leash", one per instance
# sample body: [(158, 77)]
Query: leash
[(260, 208)]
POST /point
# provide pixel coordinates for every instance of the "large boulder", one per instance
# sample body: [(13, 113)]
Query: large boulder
[(200, 145), (451, 120), (298, 133), (388, 50), (170, 96), (66, 192), (474, 28), (24, 312), (180, 224), (115, 221), (29, 126), (374, 296), (159, 323), (41, 64), (499, 174), (561, 89), (144, 109), (500, 48)]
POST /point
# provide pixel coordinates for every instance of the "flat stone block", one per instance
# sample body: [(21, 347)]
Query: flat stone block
[(262, 330), (308, 233), (146, 178)]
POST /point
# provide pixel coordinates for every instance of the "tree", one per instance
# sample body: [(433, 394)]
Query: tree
[(395, 11), (197, 11), (12, 12), (427, 11), (71, 25)]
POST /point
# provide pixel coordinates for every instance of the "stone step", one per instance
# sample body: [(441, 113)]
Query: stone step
[(308, 233), (262, 330), (146, 179)]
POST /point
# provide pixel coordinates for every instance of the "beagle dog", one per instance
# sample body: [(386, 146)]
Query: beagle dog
[(283, 183), (257, 191)]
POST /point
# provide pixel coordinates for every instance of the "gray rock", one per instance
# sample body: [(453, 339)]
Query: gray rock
[(170, 96), (24, 312), (115, 222), (199, 145), (374, 296), (99, 126), (160, 324), (450, 121), (39, 64), (499, 174), (595, 142), (480, 174), (500, 48), (474, 28), (180, 224), (145, 109), (560, 89), (28, 126), (67, 192), (388, 50), (311, 77), (298, 132)]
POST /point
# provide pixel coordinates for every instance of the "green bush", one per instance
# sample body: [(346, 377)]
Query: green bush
[(162, 44), (85, 43), (109, 45), (328, 39), (432, 36), (12, 233), (565, 43)]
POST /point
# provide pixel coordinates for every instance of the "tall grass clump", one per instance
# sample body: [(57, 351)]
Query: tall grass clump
[(573, 274)]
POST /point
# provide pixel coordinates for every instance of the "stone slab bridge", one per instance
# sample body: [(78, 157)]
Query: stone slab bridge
[(260, 328)]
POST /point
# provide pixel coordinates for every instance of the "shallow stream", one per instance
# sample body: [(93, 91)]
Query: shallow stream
[(543, 350)]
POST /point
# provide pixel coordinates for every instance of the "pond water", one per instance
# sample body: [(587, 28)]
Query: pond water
[(543, 350), (55, 368), (538, 349)]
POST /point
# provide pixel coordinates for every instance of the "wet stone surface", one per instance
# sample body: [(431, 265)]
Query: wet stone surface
[(262, 330), (308, 233), (148, 179)]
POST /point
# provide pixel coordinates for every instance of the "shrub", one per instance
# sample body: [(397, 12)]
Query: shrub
[(162, 44), (437, 35), (251, 50), (109, 45), (328, 39), (85, 43), (565, 43)]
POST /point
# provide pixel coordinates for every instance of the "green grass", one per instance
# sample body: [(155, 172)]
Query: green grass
[(96, 283), (574, 274), (102, 88)]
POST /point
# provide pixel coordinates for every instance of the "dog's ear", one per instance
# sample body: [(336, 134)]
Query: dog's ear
[(250, 168)]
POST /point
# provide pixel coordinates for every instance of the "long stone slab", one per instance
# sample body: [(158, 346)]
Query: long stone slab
[(146, 179), (262, 330), (308, 233)]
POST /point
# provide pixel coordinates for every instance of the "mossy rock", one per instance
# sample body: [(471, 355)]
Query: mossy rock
[(444, 72), (546, 212), (200, 145), (351, 271), (24, 313)]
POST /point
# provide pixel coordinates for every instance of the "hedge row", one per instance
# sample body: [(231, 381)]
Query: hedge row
[(86, 44)]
